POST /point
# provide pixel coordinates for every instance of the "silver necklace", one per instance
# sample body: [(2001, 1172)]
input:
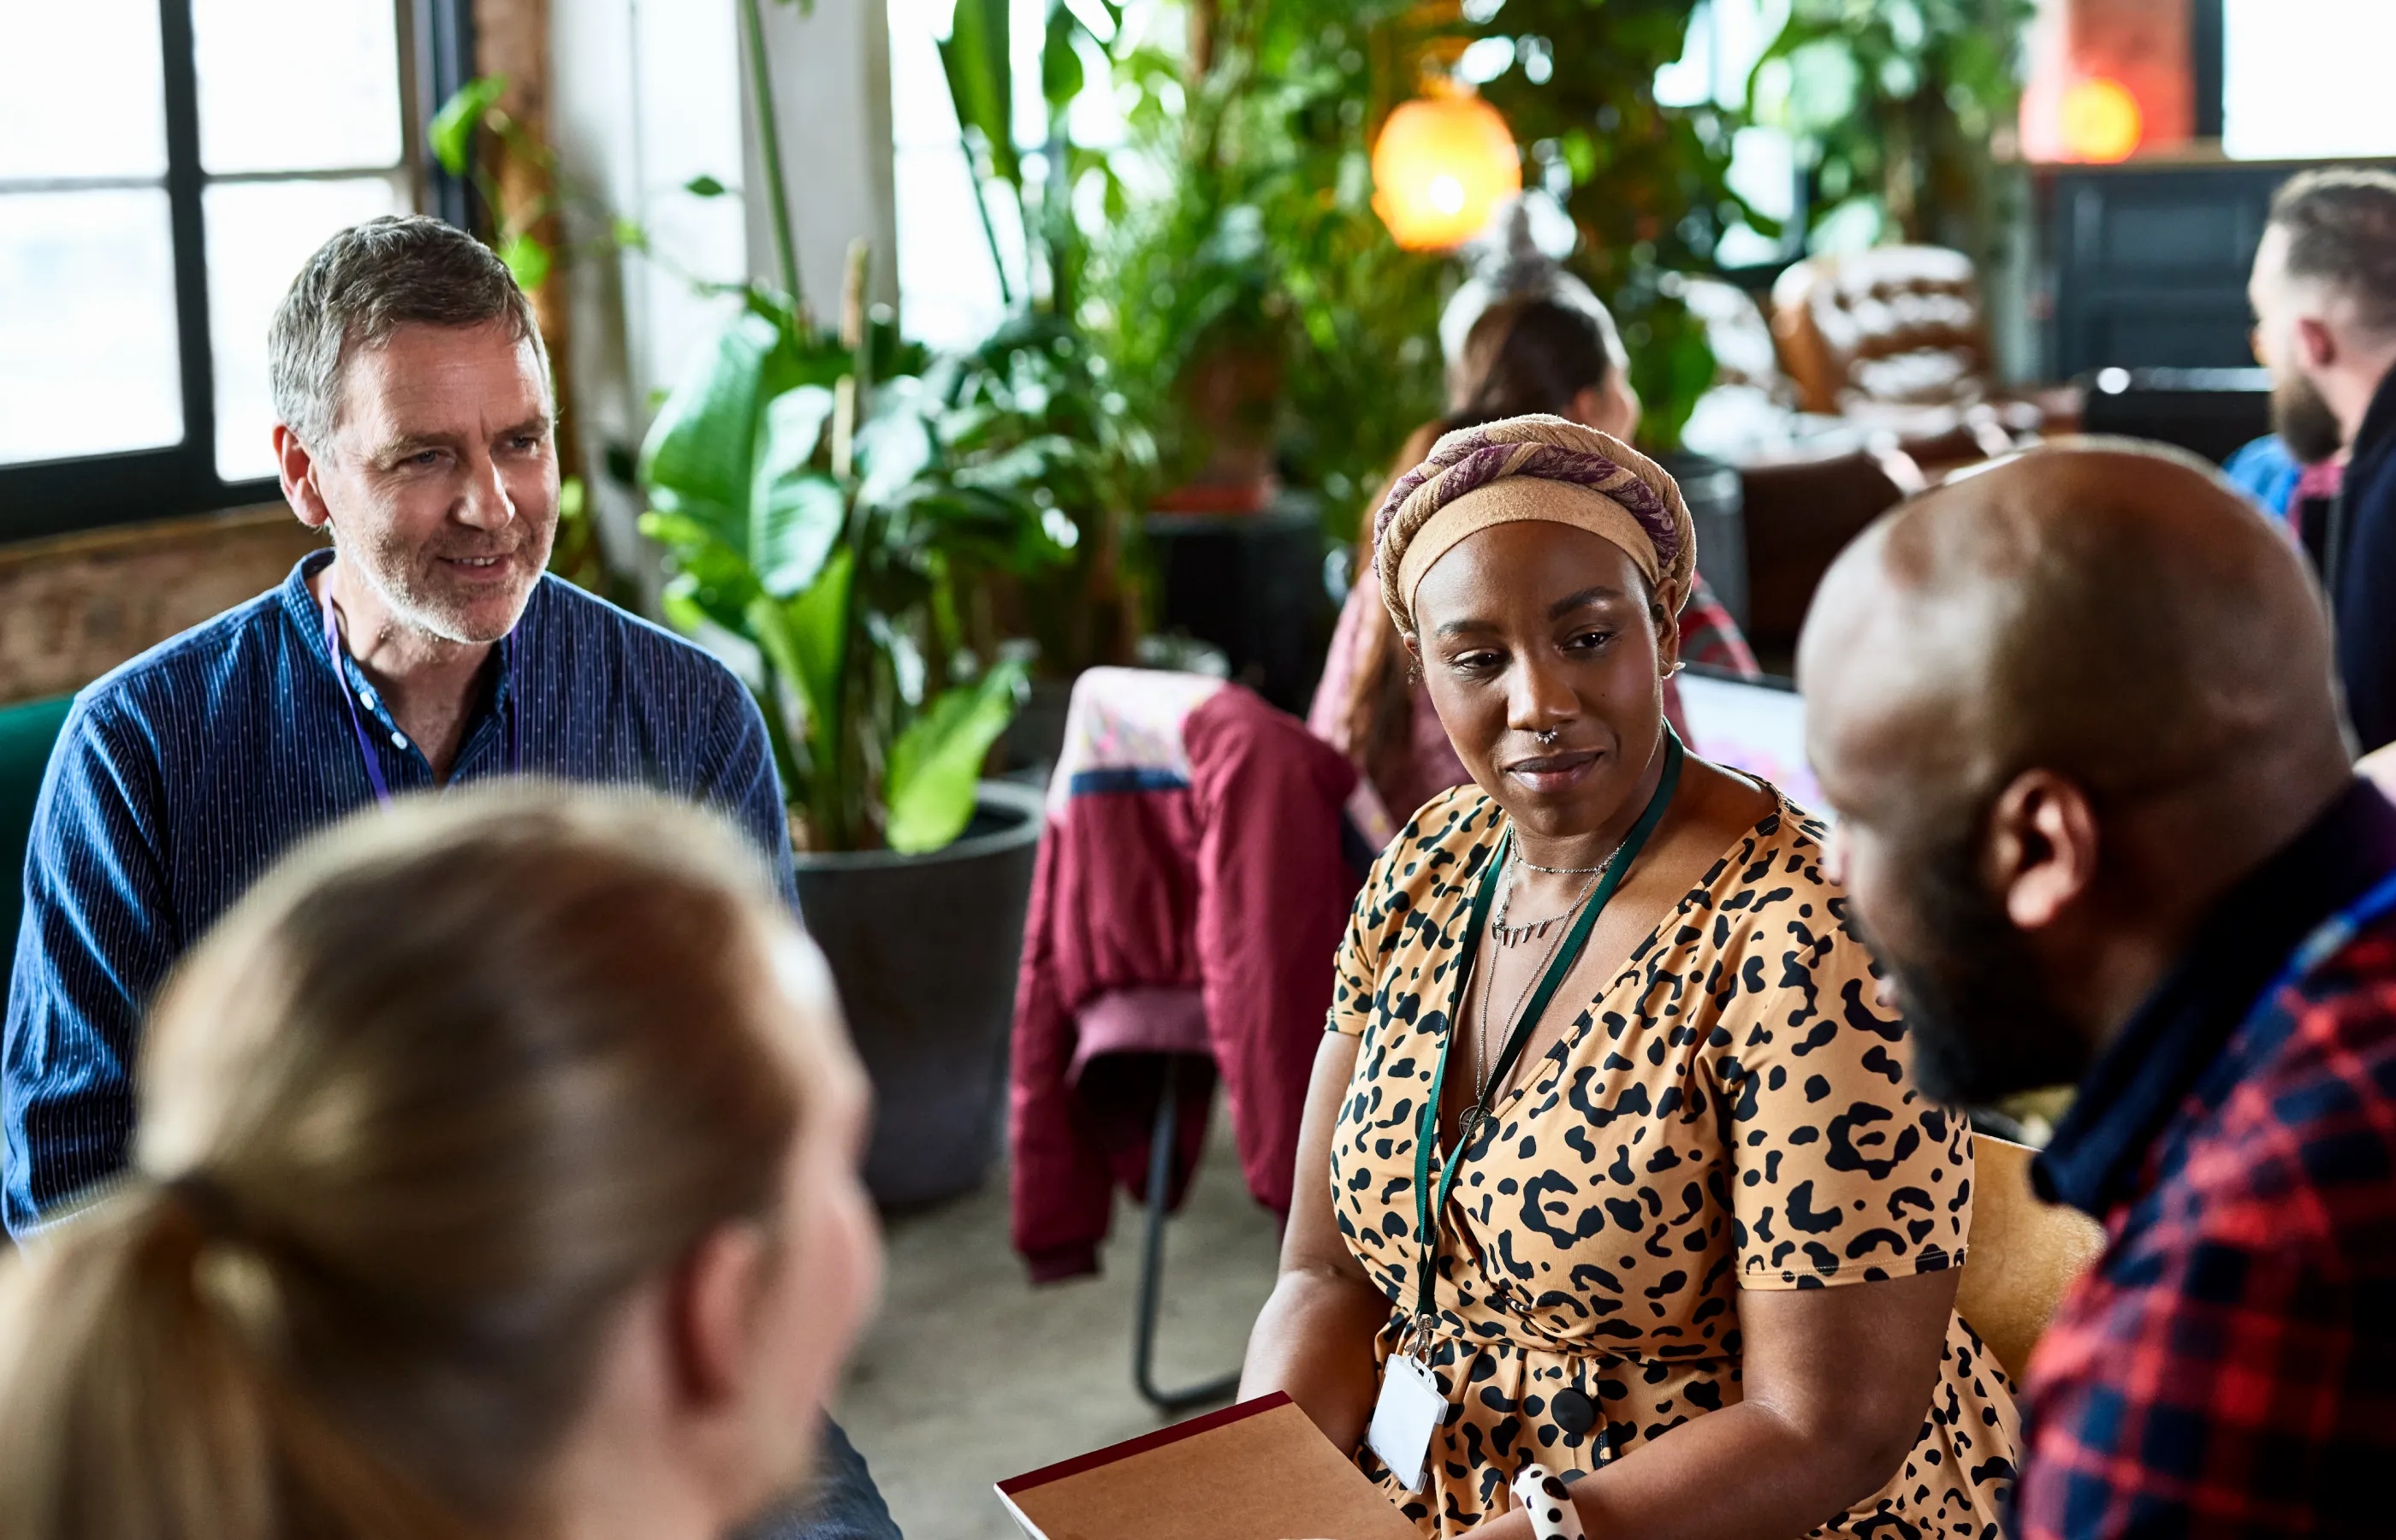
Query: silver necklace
[(1479, 1110), (1570, 871), (1531, 930)]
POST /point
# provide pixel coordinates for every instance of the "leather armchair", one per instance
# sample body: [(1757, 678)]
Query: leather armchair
[(1894, 338)]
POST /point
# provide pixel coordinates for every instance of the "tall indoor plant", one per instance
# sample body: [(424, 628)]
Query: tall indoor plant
[(1245, 288), (1896, 109), (831, 514), (1037, 384), (831, 520), (1261, 127), (1647, 184)]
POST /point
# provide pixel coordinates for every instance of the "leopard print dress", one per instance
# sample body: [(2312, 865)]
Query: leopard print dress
[(1731, 1113)]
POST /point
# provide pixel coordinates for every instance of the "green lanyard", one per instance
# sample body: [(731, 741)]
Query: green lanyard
[(1431, 1209)]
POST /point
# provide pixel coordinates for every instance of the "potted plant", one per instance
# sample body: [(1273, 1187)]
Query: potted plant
[(827, 525), (832, 519)]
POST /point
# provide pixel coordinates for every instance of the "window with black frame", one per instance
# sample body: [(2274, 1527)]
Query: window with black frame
[(165, 166)]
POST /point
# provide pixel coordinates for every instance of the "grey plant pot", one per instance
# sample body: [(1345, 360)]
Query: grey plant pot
[(925, 948)]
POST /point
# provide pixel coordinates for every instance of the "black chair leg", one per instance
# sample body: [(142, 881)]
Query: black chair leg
[(1151, 1263)]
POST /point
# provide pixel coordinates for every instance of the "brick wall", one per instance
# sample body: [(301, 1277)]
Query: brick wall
[(2144, 45), (73, 608)]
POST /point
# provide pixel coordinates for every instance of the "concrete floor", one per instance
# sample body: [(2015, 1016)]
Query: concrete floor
[(971, 1374)]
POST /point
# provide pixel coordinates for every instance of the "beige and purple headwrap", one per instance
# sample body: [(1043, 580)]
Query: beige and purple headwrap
[(1525, 468)]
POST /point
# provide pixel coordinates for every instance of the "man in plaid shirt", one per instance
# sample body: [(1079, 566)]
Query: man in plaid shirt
[(2076, 717)]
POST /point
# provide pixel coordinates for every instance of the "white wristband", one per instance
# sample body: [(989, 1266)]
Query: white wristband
[(1543, 1497)]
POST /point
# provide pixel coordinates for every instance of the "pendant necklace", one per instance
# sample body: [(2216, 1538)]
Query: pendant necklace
[(1532, 930), (1479, 1109)]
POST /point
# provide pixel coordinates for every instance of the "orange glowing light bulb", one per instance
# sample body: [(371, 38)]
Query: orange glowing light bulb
[(1441, 167), (2101, 120)]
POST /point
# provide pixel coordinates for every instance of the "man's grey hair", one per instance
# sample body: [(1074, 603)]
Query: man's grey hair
[(2341, 226), (363, 285)]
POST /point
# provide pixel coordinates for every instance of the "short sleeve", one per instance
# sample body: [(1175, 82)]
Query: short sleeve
[(1841, 1172), (1353, 968), (1376, 943)]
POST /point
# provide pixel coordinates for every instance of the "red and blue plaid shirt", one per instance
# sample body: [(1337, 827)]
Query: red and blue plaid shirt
[(2229, 1367)]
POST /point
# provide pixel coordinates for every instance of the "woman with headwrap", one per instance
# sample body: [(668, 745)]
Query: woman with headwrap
[(1611, 1162), (1552, 347)]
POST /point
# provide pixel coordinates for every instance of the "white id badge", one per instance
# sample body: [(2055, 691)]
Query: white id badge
[(1410, 1410)]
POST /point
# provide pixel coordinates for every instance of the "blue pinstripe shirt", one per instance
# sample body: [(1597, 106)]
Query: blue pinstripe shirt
[(182, 776)]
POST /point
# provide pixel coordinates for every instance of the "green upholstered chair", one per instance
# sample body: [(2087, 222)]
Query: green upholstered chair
[(27, 731)]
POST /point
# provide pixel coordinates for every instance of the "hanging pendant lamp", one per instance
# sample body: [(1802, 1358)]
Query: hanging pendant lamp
[(1442, 168)]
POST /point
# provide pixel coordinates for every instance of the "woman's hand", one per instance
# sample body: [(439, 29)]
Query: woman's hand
[(1314, 1339)]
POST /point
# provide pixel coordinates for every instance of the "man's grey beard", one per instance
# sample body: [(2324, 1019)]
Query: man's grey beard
[(2304, 421)]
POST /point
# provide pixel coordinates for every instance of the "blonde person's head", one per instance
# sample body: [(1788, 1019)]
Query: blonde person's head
[(474, 1117)]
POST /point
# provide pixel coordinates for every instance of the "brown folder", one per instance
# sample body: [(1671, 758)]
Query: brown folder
[(1259, 1471)]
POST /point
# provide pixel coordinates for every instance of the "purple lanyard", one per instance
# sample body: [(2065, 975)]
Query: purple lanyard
[(340, 656)]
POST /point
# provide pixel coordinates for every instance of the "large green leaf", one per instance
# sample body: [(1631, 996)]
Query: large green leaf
[(796, 511), (981, 81), (928, 785), (710, 578), (528, 259), (699, 455), (1061, 71), (896, 447), (453, 126), (805, 639)]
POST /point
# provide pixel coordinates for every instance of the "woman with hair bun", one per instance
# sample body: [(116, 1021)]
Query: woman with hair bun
[(496, 1176)]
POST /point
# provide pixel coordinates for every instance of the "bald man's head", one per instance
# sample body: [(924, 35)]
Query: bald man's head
[(2094, 633)]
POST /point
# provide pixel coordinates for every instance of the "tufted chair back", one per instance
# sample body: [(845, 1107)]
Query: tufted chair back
[(1893, 325)]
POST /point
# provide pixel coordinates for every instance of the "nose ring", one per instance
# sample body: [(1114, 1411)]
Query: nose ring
[(1547, 735)]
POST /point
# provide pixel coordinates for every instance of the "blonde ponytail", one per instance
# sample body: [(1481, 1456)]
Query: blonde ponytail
[(141, 1398), (431, 1104)]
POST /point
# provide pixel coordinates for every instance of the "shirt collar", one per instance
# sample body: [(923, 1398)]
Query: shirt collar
[(2142, 1077), (301, 605), (2374, 435), (298, 604)]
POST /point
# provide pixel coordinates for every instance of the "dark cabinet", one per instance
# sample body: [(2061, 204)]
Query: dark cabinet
[(2149, 262)]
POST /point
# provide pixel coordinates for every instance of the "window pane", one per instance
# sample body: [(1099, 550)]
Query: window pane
[(948, 293), (259, 233), (80, 90), (947, 290), (2303, 79), (297, 85), (88, 359)]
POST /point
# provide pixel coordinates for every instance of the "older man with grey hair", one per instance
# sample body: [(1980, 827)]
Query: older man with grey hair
[(427, 646)]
